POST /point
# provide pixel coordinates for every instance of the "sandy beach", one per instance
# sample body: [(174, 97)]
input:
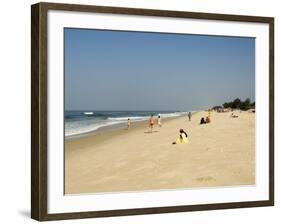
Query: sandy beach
[(221, 153)]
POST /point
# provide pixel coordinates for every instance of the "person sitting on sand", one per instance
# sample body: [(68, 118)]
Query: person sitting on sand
[(202, 121), (208, 120), (182, 139), (128, 123), (233, 115), (159, 121), (151, 122)]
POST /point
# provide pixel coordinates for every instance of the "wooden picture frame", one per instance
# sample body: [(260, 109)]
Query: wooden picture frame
[(39, 106)]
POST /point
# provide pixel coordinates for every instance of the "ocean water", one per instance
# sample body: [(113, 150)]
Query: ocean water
[(83, 122)]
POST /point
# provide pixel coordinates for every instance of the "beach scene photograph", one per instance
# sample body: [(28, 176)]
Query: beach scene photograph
[(146, 111)]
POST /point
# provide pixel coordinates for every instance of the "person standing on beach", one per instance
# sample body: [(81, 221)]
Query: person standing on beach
[(128, 123), (189, 116), (159, 121), (151, 123)]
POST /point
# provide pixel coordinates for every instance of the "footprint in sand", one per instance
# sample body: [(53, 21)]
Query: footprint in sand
[(205, 179)]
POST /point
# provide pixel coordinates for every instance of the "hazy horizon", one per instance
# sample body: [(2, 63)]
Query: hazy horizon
[(137, 71)]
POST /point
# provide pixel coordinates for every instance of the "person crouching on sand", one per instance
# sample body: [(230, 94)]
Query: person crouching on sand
[(151, 122), (159, 121), (182, 139), (128, 123)]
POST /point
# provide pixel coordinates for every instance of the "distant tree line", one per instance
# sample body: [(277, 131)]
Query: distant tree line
[(237, 104)]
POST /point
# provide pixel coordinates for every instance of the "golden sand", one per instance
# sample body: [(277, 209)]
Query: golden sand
[(221, 153)]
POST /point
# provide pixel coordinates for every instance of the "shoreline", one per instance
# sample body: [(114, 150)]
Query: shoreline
[(120, 126), (107, 133), (136, 160)]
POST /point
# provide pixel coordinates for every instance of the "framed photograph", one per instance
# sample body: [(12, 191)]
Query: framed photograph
[(141, 111)]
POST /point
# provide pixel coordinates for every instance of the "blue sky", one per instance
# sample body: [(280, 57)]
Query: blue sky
[(115, 70)]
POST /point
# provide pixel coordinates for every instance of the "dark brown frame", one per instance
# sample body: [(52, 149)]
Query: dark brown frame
[(39, 110)]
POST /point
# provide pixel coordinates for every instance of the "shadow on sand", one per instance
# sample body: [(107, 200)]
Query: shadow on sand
[(150, 132)]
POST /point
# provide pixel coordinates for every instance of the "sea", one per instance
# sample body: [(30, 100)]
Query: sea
[(79, 123)]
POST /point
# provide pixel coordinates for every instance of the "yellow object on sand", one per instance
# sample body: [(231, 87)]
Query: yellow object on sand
[(182, 139)]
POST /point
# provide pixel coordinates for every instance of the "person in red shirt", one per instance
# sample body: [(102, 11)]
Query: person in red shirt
[(151, 122)]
